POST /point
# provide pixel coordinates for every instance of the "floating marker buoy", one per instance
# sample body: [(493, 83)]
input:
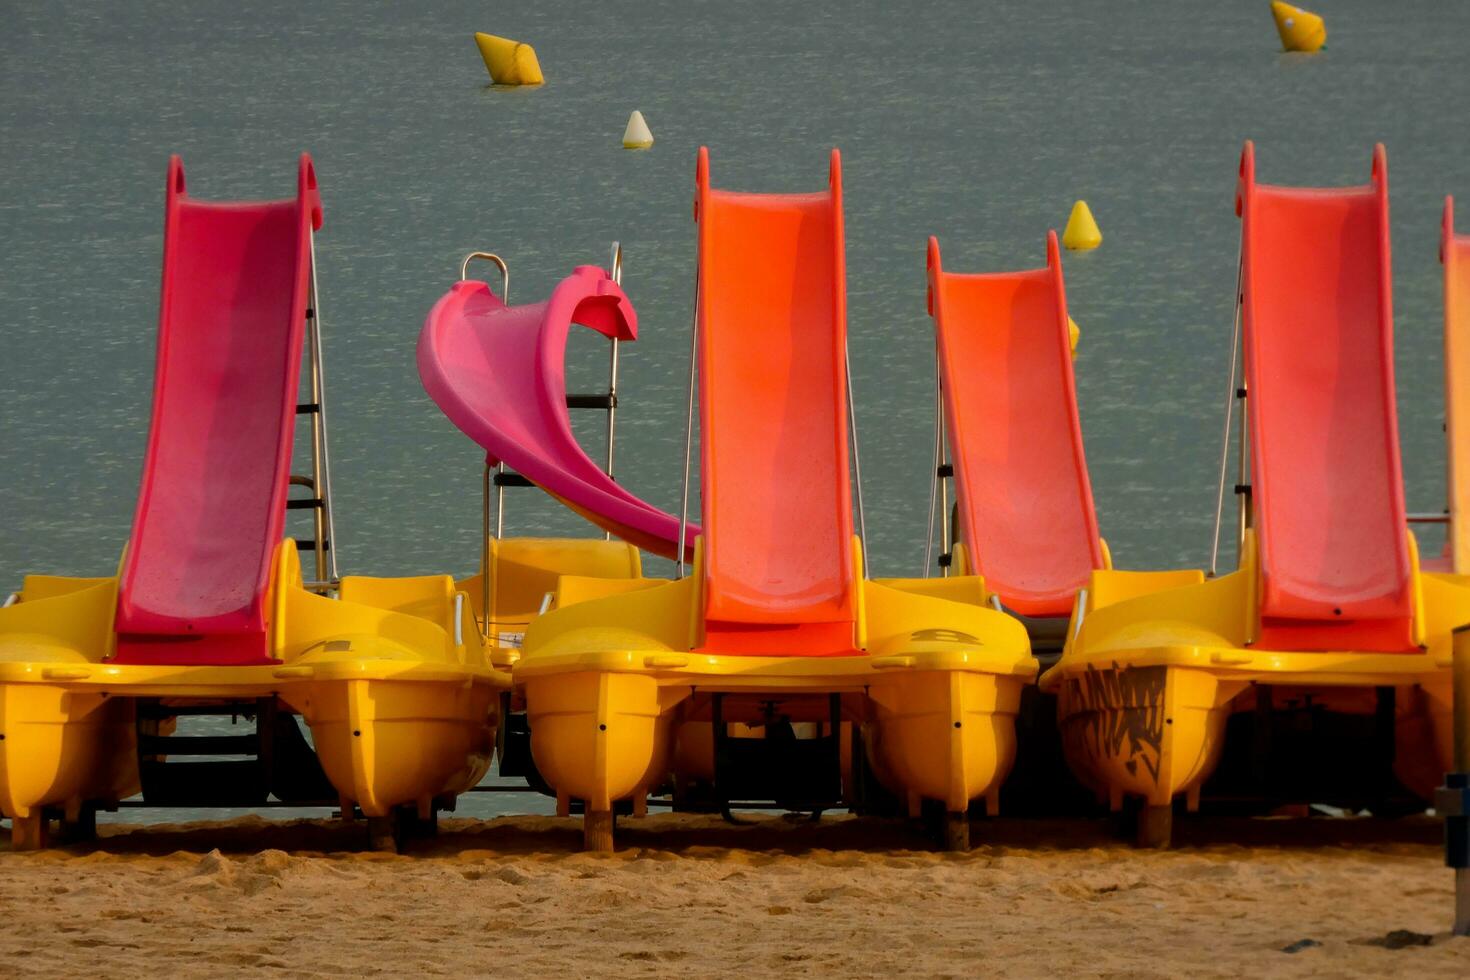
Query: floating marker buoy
[(509, 62), (1074, 334), (1300, 30), (1082, 232), (637, 136)]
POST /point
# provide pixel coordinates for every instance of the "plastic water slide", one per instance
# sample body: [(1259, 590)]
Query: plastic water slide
[(499, 373), (1026, 512), (211, 510), (772, 325), (1454, 252), (1317, 321)]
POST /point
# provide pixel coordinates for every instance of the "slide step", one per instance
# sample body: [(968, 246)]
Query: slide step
[(155, 709), (199, 744), (228, 783), (604, 402)]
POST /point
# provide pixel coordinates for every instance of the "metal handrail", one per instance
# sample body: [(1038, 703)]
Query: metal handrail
[(486, 573), (1428, 518), (498, 262), (612, 371), (1229, 412), (857, 464), (938, 459), (689, 427), (616, 273)]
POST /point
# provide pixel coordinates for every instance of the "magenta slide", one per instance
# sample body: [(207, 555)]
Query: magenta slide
[(211, 510), (499, 373), (1317, 323)]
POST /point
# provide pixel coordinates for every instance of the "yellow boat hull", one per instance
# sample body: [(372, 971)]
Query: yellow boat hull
[(1157, 662), (392, 680), (611, 682)]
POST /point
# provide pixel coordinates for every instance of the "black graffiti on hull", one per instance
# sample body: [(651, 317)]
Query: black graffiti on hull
[(1122, 714)]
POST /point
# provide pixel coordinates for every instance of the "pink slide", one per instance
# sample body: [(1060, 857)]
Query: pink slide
[(1317, 320), (499, 373), (1010, 405), (212, 507)]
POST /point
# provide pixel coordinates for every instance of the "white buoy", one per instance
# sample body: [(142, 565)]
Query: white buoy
[(637, 136)]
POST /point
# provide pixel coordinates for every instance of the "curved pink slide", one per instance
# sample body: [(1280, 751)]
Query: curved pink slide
[(499, 373), (1010, 405), (211, 510), (1317, 322)]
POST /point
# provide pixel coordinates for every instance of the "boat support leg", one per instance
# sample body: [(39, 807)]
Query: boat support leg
[(1155, 825), (597, 831), (30, 833)]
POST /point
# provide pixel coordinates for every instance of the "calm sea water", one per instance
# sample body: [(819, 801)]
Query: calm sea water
[(980, 123)]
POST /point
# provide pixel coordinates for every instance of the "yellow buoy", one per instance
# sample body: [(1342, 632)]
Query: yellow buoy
[(1300, 30), (1074, 334), (1082, 232), (637, 136), (509, 62)]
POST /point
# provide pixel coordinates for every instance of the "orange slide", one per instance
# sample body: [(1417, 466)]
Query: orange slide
[(1317, 318), (1027, 522), (626, 681), (777, 508), (1454, 252)]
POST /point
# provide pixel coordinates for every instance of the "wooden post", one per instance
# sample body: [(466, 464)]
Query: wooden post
[(1456, 794)]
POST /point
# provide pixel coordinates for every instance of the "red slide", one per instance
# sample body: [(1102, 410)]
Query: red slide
[(772, 322), (1317, 319), (1010, 405), (212, 506)]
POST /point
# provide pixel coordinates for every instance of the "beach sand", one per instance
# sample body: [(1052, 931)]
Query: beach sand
[(693, 896)]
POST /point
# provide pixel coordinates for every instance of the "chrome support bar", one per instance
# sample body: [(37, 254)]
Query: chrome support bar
[(612, 374), (321, 465), (459, 619)]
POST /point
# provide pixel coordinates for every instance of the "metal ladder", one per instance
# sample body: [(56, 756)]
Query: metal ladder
[(318, 484), (939, 503)]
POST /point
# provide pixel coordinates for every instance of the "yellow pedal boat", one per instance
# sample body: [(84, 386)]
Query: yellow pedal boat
[(1329, 614), (775, 628)]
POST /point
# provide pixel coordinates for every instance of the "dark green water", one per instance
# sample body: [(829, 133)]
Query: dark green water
[(980, 123)]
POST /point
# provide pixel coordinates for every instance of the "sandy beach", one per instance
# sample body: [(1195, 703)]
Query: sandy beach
[(694, 896)]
